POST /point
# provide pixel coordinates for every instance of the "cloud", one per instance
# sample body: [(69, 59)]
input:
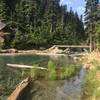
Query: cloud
[(80, 9), (68, 2), (77, 5), (61, 0)]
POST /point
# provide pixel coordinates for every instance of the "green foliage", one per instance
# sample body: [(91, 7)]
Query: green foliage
[(1, 42), (2, 10), (90, 81), (51, 71), (92, 84), (92, 18), (97, 34), (69, 70), (34, 71), (41, 22), (91, 14), (19, 41), (96, 64)]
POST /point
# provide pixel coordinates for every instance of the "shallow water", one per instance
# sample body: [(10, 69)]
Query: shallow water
[(10, 77), (58, 90), (41, 89)]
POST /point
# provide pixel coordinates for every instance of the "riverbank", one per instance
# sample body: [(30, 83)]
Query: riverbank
[(88, 58), (51, 51), (92, 78)]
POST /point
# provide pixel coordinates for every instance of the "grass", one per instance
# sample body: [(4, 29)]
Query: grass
[(69, 70), (34, 71), (54, 72), (92, 84), (51, 71)]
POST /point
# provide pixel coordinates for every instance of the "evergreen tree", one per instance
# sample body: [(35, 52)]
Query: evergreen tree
[(91, 14), (41, 23), (2, 10), (91, 19)]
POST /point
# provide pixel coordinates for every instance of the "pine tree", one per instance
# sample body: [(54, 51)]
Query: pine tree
[(91, 19), (91, 14), (2, 10), (42, 22)]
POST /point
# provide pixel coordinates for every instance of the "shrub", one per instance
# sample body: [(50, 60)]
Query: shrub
[(69, 70), (51, 71)]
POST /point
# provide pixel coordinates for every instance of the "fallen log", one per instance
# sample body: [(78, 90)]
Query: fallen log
[(25, 66), (16, 93)]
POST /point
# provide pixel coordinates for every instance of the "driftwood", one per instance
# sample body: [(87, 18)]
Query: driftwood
[(25, 66), (16, 93)]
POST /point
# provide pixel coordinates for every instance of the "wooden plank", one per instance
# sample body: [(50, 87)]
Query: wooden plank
[(25, 66), (73, 46)]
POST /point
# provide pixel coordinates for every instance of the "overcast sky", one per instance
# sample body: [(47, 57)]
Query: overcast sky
[(77, 5)]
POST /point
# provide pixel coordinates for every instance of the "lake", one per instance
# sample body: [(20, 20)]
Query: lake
[(41, 89)]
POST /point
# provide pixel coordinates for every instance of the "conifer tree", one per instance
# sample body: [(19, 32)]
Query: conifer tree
[(41, 23), (2, 10)]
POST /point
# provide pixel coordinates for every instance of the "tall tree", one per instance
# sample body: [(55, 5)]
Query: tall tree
[(2, 10), (91, 14), (42, 22)]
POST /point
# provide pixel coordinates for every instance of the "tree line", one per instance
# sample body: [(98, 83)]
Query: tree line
[(41, 23), (92, 21)]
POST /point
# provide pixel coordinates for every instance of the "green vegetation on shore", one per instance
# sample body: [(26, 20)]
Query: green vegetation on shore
[(92, 82)]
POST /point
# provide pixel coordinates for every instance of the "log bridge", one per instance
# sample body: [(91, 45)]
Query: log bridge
[(74, 46)]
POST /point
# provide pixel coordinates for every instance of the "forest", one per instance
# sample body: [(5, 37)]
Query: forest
[(36, 23), (29, 31)]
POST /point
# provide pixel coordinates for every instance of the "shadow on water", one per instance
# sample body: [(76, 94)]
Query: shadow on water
[(25, 94)]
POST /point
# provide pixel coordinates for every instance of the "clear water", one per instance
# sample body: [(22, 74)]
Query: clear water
[(58, 90), (41, 89), (10, 77)]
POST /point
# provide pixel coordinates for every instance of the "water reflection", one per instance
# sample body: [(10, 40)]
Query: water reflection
[(59, 90), (41, 89), (61, 60)]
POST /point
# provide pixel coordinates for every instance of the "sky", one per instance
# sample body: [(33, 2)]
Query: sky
[(77, 5)]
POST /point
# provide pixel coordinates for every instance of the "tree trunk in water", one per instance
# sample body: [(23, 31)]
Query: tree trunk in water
[(19, 89)]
